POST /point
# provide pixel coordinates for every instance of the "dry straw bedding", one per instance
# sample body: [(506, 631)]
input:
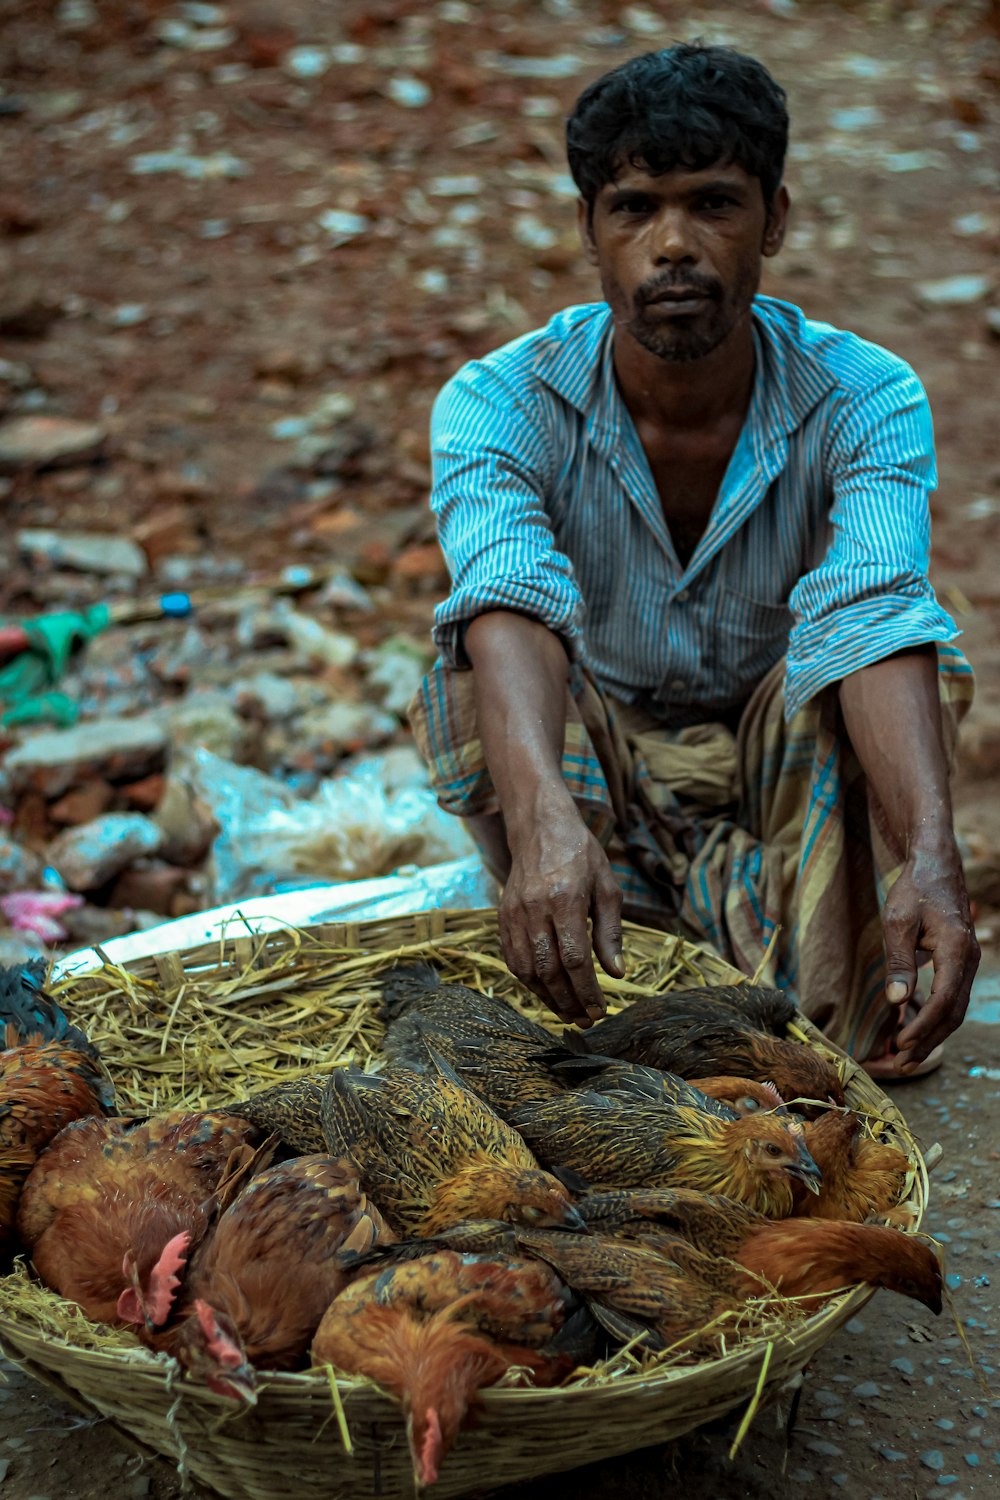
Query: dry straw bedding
[(202, 1027)]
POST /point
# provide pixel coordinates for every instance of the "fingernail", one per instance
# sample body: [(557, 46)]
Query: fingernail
[(896, 992), (618, 964), (595, 1013)]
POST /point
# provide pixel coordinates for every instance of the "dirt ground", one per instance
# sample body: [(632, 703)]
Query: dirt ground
[(255, 262)]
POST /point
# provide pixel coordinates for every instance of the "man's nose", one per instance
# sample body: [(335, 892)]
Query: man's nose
[(675, 238)]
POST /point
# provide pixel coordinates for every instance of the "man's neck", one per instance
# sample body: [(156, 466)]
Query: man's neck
[(689, 395)]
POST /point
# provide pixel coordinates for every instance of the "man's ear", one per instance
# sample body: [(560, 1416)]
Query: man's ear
[(585, 228), (777, 222)]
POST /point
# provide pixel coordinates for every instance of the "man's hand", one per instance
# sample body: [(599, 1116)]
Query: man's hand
[(559, 877), (928, 909), (893, 716)]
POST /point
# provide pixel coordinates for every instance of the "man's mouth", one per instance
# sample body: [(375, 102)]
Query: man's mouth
[(678, 299)]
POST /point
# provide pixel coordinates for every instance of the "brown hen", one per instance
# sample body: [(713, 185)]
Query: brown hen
[(50, 1074), (432, 1151), (260, 1283), (862, 1178)]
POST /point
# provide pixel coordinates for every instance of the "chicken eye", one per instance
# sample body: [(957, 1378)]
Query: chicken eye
[(531, 1215), (772, 1148), (748, 1105)]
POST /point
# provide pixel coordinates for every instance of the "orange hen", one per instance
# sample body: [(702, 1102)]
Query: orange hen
[(436, 1330), (106, 1204), (862, 1178)]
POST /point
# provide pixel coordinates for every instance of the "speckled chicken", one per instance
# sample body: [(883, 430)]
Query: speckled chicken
[(611, 1140), (289, 1110), (862, 1178), (726, 1098), (260, 1283), (431, 1151), (50, 1075), (693, 1047), (436, 1329), (710, 1221), (499, 1052)]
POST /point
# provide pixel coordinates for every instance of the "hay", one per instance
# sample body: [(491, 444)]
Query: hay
[(200, 1028)]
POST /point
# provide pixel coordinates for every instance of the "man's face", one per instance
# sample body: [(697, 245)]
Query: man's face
[(679, 254)]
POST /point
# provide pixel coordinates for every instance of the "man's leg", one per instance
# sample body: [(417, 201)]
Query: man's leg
[(805, 797)]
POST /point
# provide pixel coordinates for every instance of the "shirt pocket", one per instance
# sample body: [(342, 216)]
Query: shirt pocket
[(745, 638)]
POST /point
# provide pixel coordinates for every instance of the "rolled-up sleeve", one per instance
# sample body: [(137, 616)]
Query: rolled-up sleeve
[(870, 596), (493, 460)]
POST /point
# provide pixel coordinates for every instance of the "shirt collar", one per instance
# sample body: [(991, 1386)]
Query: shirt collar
[(576, 363)]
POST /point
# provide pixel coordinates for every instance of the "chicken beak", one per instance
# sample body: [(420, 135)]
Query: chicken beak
[(806, 1170), (573, 1219)]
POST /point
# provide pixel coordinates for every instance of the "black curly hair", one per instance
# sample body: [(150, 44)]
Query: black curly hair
[(690, 106)]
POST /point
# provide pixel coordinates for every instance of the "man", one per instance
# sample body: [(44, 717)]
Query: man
[(691, 660)]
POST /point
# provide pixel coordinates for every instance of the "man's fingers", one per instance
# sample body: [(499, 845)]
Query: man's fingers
[(578, 965), (560, 995), (942, 1014), (607, 920), (901, 930)]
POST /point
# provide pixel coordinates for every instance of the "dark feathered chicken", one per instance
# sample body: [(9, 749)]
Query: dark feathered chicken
[(289, 1110), (496, 1050), (615, 1141), (724, 1044)]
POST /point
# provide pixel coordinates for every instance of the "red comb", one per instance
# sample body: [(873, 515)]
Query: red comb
[(165, 1278)]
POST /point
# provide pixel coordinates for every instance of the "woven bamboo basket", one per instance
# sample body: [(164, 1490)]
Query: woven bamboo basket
[(218, 1021)]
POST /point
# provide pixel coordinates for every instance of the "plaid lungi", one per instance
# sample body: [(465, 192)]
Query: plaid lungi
[(723, 836)]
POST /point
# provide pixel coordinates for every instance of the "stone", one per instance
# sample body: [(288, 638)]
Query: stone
[(933, 1458), (207, 719), (85, 552), (117, 749), (27, 311), (20, 868), (186, 823), (143, 795), (955, 291), (83, 803), (89, 856), (275, 697), (153, 888), (41, 442), (341, 727)]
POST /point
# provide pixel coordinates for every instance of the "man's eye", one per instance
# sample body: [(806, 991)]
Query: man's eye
[(635, 205), (717, 201)]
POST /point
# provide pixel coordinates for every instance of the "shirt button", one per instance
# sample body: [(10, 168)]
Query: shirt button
[(683, 595), (678, 685)]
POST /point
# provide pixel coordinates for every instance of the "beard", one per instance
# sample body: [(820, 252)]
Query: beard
[(682, 338)]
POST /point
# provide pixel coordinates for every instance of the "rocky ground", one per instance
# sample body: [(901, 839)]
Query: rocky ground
[(241, 247)]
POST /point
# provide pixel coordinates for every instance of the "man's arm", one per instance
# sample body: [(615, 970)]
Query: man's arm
[(893, 717), (559, 875)]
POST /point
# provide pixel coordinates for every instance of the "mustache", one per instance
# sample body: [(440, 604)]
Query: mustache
[(704, 286)]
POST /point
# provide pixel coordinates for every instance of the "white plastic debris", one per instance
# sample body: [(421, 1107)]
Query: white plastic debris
[(341, 225), (410, 93), (954, 291), (194, 168)]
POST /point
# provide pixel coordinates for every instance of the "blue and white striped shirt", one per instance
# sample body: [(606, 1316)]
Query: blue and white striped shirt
[(817, 545)]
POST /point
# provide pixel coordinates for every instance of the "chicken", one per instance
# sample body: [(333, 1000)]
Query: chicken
[(753, 1005), (111, 1209), (694, 1047), (435, 1330), (861, 1178), (612, 1075), (496, 1050), (811, 1258), (614, 1141), (290, 1110), (634, 1292), (431, 1151), (260, 1283), (50, 1075), (745, 1095), (709, 1221)]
